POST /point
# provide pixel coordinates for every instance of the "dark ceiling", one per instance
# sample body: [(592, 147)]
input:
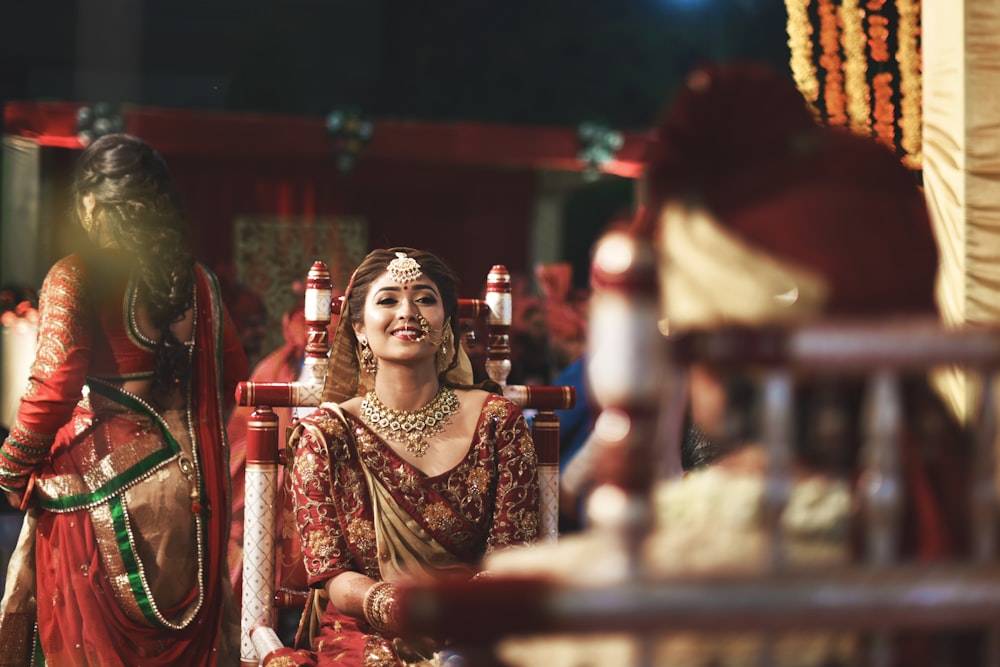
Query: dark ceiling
[(543, 62)]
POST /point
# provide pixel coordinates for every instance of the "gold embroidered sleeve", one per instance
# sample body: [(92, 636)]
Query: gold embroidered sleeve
[(324, 546), (516, 507), (57, 374)]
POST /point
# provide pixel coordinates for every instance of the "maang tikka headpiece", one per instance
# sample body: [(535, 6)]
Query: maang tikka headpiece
[(403, 269)]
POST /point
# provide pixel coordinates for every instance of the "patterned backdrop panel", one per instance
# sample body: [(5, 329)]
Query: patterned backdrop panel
[(272, 254)]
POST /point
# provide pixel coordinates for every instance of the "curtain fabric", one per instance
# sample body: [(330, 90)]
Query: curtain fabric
[(961, 142)]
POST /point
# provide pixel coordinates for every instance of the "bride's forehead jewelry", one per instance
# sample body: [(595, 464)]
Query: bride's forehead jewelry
[(403, 269)]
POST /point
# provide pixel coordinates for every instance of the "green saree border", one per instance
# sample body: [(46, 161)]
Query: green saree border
[(129, 476)]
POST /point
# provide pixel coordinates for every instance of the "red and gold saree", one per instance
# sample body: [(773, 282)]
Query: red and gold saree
[(130, 543), (361, 508)]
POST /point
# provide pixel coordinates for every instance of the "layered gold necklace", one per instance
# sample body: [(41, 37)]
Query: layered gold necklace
[(412, 428)]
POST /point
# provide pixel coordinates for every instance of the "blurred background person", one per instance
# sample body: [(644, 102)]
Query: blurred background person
[(530, 346)]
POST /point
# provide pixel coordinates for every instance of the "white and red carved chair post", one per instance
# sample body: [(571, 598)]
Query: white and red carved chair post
[(626, 368), (545, 425), (499, 315), (545, 434), (260, 517), (262, 503)]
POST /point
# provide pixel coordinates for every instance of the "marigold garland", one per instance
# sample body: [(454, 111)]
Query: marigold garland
[(830, 61), (855, 66), (863, 84), (878, 36), (911, 92), (885, 112), (800, 45)]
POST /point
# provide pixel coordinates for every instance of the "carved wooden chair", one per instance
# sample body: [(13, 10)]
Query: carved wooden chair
[(269, 585), (641, 388)]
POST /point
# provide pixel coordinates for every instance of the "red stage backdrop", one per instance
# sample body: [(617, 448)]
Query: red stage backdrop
[(463, 190)]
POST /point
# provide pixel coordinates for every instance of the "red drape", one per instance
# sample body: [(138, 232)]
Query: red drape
[(463, 190)]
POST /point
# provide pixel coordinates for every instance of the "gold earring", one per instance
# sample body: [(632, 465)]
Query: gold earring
[(88, 221), (368, 362), (443, 361)]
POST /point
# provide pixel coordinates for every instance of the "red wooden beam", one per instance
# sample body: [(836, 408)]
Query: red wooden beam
[(206, 133)]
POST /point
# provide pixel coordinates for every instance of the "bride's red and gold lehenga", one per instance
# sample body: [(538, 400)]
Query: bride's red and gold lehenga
[(131, 500), (362, 508)]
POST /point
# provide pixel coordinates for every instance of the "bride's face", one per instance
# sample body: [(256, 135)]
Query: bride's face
[(398, 317)]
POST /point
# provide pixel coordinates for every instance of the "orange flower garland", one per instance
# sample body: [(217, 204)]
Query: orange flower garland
[(829, 60), (884, 113), (864, 85)]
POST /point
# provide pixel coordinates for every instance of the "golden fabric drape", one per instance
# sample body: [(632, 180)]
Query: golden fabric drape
[(961, 165)]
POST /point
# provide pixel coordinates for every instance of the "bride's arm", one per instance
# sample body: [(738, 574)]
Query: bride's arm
[(516, 505)]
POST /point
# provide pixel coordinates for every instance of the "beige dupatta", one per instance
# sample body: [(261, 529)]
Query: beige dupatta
[(406, 551)]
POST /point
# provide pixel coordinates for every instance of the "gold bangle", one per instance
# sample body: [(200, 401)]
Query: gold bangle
[(379, 607)]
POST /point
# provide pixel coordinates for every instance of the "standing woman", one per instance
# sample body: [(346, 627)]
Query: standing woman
[(119, 448), (416, 474)]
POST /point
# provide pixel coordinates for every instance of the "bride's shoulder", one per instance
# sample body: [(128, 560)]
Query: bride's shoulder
[(332, 418), (481, 401), (472, 398)]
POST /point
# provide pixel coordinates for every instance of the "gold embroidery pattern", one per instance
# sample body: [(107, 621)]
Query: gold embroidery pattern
[(320, 544), (282, 661), (496, 411), (478, 481), (361, 533), (367, 441), (516, 499), (114, 568), (307, 465), (326, 489), (101, 471), (28, 438), (60, 330), (465, 534), (22, 450), (328, 423), (488, 500), (379, 653), (439, 517), (315, 512), (60, 322)]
